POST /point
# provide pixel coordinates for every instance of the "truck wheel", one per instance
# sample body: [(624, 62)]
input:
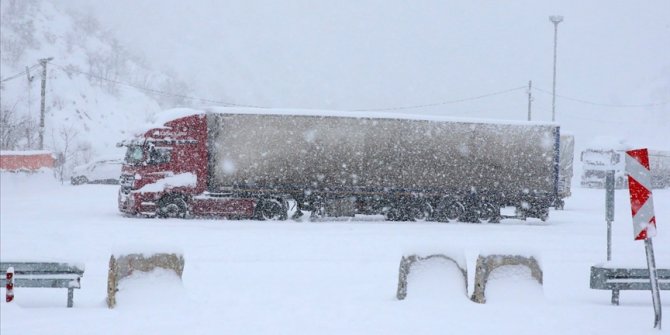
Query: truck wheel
[(454, 210), (449, 211), (423, 211), (270, 209), (393, 214), (401, 214), (171, 207), (489, 213)]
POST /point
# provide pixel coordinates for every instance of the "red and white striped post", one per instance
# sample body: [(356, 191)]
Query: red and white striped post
[(9, 297), (644, 220)]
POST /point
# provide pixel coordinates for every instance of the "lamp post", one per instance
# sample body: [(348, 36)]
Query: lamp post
[(555, 19)]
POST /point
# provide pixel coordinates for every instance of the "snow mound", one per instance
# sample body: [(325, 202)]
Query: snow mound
[(436, 279), (25, 182), (513, 283), (158, 288)]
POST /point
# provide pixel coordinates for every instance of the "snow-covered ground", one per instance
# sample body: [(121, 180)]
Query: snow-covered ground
[(326, 277)]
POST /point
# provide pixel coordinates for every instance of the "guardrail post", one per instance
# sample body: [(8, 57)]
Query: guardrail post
[(70, 297), (615, 297)]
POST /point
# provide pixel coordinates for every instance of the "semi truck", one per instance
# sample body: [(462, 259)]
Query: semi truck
[(597, 161), (256, 163)]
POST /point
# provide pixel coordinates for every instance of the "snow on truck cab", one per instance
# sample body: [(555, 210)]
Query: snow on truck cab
[(250, 163)]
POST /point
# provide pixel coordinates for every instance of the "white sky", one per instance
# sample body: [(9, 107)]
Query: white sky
[(375, 54)]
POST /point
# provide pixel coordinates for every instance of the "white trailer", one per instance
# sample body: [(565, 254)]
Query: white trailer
[(402, 167)]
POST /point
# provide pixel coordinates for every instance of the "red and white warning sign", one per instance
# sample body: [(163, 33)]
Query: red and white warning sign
[(641, 200)]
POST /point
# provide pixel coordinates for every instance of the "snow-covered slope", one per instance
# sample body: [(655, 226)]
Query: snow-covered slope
[(90, 98)]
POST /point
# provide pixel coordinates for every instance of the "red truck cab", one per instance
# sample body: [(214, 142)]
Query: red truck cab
[(165, 174)]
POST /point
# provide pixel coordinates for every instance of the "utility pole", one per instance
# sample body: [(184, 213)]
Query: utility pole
[(29, 136), (43, 62), (530, 96), (555, 19)]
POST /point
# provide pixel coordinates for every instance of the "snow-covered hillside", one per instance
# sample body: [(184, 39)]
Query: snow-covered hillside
[(92, 95)]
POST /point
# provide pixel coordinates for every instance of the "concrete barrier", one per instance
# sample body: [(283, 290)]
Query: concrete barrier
[(486, 265), (406, 264), (125, 265)]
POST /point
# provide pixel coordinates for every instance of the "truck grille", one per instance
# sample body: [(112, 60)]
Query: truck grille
[(126, 182)]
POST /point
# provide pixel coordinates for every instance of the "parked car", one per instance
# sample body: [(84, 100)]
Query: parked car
[(99, 171)]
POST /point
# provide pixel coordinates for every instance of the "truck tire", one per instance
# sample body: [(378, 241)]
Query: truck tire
[(490, 213), (171, 206), (423, 211), (270, 209), (396, 214), (454, 210), (448, 211)]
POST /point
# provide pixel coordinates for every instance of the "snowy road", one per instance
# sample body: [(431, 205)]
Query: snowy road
[(330, 277)]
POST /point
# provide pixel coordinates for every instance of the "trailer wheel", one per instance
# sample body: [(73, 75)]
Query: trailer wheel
[(393, 214), (171, 206), (270, 209), (423, 211), (448, 211), (489, 213), (454, 210)]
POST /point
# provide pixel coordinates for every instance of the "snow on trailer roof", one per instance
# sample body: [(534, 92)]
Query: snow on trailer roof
[(176, 113)]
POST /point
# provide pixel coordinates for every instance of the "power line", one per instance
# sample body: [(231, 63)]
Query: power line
[(602, 104), (155, 91), (441, 103), (69, 70), (19, 74), (226, 103), (600, 120)]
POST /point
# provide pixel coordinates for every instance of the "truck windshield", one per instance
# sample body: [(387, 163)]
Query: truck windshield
[(152, 155), (134, 154)]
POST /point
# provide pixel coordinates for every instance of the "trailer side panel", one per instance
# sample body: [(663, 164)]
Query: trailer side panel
[(357, 155)]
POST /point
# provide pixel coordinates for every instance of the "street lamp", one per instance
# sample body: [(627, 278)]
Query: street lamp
[(555, 19)]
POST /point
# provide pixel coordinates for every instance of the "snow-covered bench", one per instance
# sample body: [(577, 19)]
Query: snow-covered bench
[(616, 279), (39, 274)]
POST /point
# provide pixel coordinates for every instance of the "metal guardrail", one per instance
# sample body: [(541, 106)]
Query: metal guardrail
[(46, 275), (617, 279)]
